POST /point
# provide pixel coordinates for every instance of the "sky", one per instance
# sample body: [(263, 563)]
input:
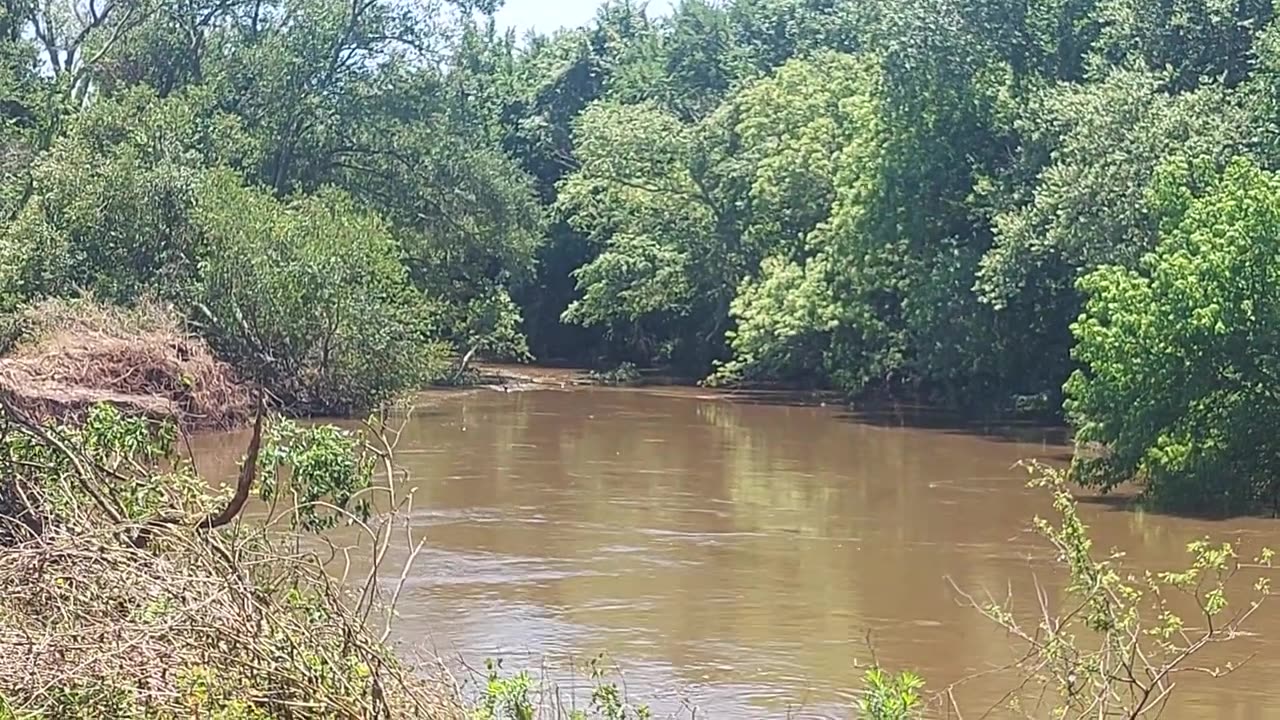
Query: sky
[(548, 15)]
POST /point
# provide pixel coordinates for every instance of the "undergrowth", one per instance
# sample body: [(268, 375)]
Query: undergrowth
[(523, 696), (129, 590)]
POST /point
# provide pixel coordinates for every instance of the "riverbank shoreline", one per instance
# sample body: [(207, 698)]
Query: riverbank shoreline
[(882, 410)]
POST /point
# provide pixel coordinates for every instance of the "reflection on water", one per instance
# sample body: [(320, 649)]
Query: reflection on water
[(740, 555)]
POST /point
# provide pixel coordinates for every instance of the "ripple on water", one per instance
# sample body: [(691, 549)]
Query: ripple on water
[(440, 567), (482, 627)]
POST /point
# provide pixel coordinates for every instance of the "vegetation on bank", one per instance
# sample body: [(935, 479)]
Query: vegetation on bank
[(65, 356), (956, 200), (988, 203), (1179, 376), (128, 589), (927, 197)]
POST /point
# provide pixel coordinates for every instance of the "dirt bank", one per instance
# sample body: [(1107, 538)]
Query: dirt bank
[(70, 355)]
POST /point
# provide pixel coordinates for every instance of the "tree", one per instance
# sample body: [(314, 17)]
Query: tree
[(702, 61), (1087, 156), (809, 130), (1191, 41), (1179, 355), (638, 195), (309, 298), (770, 32), (108, 206), (1087, 208), (880, 293), (554, 79)]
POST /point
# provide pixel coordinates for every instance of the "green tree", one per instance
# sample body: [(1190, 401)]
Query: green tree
[(554, 79), (880, 292), (1106, 140), (108, 207), (770, 32), (639, 197), (1191, 41), (1179, 355), (1074, 200), (702, 60), (811, 128), (309, 298)]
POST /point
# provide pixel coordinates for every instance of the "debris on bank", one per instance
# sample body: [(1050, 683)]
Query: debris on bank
[(69, 355), (500, 376)]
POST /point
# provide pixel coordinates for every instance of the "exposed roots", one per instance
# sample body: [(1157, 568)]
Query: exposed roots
[(73, 354)]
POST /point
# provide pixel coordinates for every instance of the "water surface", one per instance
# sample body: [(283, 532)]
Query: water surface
[(749, 558)]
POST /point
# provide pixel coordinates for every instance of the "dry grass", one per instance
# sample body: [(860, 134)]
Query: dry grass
[(74, 353), (90, 625), (161, 616)]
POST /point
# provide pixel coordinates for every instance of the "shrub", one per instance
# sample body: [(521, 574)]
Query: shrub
[(1179, 365), (309, 298), (522, 696), (110, 203), (1116, 640), (624, 374), (306, 296), (111, 225), (890, 697)]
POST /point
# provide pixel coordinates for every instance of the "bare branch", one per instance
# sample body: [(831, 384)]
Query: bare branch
[(248, 471)]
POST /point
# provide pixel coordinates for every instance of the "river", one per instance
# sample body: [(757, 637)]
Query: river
[(750, 557)]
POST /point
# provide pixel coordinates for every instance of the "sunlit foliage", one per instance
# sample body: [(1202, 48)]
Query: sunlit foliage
[(1178, 376)]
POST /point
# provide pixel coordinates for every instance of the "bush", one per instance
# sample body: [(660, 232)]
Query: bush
[(110, 203), (1117, 639), (522, 696), (624, 374), (890, 697), (110, 225), (309, 298), (1179, 369)]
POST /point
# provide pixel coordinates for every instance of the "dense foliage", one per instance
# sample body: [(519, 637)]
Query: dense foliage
[(309, 297), (299, 177), (868, 195), (896, 196), (1179, 357), (920, 198)]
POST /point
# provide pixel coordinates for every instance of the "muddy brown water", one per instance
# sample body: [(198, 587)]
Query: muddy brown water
[(748, 557)]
